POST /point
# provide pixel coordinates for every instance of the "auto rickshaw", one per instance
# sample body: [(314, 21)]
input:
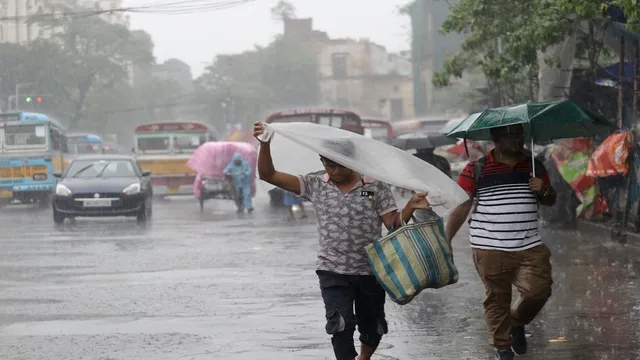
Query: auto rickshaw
[(210, 160)]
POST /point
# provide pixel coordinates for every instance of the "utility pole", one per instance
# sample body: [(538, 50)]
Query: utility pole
[(417, 11), (17, 99)]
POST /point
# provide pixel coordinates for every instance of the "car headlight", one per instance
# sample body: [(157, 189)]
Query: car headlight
[(132, 189), (62, 190)]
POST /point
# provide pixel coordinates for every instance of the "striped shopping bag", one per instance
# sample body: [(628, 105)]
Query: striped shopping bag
[(412, 258)]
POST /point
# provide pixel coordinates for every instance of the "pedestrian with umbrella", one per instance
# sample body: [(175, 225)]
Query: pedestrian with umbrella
[(508, 186)]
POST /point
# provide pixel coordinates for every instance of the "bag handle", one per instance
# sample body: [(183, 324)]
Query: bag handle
[(402, 222)]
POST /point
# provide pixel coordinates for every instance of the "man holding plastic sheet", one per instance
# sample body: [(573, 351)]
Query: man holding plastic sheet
[(350, 210), (506, 243)]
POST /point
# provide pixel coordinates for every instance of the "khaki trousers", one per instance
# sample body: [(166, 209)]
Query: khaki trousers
[(530, 272)]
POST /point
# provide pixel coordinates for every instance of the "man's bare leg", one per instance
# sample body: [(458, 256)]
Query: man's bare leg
[(366, 352), (304, 212), (291, 215)]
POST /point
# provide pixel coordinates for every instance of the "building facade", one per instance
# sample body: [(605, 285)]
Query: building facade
[(359, 74), (15, 14), (174, 70)]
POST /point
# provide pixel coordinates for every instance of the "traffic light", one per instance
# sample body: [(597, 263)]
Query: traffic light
[(31, 99)]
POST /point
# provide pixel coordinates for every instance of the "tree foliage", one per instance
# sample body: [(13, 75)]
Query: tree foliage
[(82, 70), (283, 10), (505, 38), (83, 55), (242, 87)]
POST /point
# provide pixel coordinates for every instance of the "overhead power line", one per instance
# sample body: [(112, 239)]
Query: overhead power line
[(182, 7)]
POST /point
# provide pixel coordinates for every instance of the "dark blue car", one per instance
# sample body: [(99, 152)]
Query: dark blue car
[(103, 185)]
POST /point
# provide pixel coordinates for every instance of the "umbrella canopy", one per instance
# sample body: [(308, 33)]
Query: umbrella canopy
[(456, 122), (542, 121), (422, 140)]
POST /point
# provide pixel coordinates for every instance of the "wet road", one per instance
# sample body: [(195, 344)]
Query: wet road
[(218, 286)]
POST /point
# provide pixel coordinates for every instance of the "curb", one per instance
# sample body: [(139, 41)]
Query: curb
[(604, 230)]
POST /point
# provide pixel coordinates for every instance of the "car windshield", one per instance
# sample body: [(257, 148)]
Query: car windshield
[(101, 168), (153, 144), (25, 135)]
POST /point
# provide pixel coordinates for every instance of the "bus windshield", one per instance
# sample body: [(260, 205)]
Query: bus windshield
[(159, 143), (188, 141), (20, 136)]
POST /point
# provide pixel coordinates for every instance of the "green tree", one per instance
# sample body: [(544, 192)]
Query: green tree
[(504, 38), (84, 54), (15, 68), (242, 87), (283, 10), (290, 70)]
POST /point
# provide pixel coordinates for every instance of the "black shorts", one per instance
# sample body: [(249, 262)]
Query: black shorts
[(340, 293)]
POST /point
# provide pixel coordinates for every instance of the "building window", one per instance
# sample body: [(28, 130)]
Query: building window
[(397, 109), (339, 64)]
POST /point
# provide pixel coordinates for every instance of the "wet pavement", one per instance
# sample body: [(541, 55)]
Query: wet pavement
[(219, 286)]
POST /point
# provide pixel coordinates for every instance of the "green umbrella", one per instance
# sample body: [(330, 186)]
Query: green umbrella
[(542, 122), (455, 123)]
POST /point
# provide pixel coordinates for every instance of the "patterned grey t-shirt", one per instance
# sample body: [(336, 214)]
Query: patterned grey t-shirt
[(347, 221)]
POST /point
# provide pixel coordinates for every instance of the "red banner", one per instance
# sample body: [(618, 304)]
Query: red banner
[(610, 158)]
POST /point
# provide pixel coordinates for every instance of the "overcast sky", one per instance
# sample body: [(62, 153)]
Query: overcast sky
[(197, 38)]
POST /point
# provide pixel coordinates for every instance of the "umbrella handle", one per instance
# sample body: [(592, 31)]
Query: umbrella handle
[(533, 158), (466, 148)]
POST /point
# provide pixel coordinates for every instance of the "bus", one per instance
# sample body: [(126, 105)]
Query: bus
[(377, 129), (83, 143), (346, 120), (32, 148), (164, 149), (343, 119)]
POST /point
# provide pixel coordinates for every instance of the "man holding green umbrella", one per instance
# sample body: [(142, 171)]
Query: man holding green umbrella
[(508, 186), (506, 242)]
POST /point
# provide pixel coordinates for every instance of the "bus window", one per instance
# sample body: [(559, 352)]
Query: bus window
[(55, 139), (324, 120), (21, 135), (334, 121), (153, 144), (64, 145)]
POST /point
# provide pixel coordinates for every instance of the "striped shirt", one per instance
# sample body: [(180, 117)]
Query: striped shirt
[(506, 216)]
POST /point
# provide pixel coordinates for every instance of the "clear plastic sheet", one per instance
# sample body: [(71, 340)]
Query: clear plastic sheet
[(362, 154)]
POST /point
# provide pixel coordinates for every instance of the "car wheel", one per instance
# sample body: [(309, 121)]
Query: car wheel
[(142, 214), (58, 218)]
